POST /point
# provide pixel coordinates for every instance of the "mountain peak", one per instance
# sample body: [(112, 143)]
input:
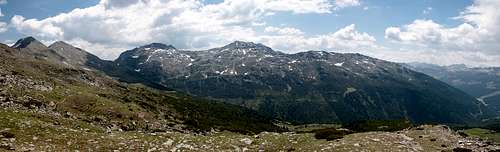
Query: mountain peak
[(243, 44), (62, 46), (29, 42), (256, 47), (59, 43), (159, 46)]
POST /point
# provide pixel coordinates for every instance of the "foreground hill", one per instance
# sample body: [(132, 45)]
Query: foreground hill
[(35, 132), (481, 82), (306, 87)]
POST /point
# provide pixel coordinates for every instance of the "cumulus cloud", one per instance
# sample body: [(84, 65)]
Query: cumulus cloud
[(112, 25), (346, 39), (478, 36), (430, 34)]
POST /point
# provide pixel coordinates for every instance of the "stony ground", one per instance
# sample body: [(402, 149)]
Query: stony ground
[(32, 130)]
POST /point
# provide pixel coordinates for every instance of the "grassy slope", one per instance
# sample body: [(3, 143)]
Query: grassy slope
[(38, 132), (484, 134)]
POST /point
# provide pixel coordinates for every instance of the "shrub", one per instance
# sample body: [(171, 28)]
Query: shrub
[(458, 149), (330, 133)]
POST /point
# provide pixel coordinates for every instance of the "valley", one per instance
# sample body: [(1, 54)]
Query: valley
[(481, 82)]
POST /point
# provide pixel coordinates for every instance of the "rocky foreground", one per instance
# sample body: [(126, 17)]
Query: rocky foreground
[(35, 130)]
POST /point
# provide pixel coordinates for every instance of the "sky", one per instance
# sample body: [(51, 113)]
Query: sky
[(442, 32)]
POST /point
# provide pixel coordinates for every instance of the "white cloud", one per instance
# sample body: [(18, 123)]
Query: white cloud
[(478, 36), (346, 39), (283, 31), (3, 27), (431, 34), (426, 55), (112, 25), (346, 3)]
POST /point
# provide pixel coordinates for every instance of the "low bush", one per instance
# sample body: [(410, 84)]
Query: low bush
[(330, 133)]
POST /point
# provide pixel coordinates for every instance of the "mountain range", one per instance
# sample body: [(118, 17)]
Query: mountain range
[(480, 82), (62, 82), (305, 87)]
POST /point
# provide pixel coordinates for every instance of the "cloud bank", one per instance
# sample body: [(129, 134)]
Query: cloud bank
[(476, 41), (113, 26)]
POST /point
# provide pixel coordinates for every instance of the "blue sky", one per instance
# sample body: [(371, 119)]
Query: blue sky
[(380, 15), (392, 12), (324, 25)]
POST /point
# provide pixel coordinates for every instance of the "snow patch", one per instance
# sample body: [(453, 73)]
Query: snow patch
[(339, 64)]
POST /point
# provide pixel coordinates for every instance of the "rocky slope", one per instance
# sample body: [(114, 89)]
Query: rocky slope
[(482, 83), (59, 53), (29, 47), (305, 87)]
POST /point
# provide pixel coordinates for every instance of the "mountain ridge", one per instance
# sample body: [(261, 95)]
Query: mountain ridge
[(304, 87), (254, 75), (50, 89)]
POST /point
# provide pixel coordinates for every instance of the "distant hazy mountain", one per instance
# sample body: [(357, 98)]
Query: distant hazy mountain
[(306, 87), (482, 83)]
